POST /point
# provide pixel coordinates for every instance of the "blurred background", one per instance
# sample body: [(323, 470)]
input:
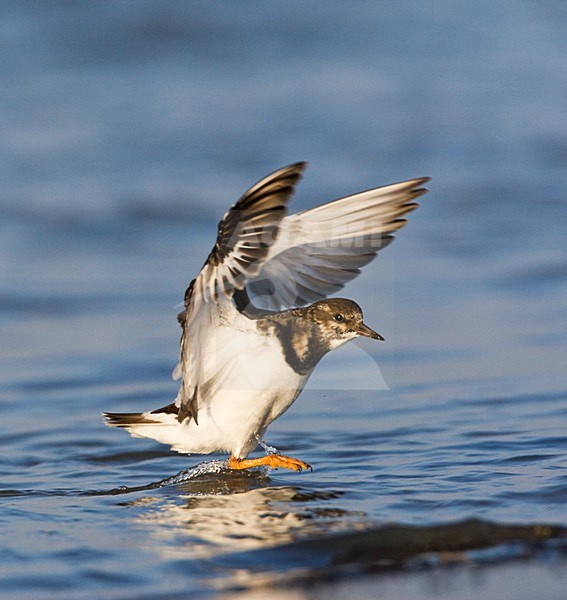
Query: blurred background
[(129, 127)]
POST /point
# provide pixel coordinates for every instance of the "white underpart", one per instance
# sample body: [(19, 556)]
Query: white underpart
[(253, 386)]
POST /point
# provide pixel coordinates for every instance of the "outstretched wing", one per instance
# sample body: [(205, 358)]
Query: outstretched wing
[(245, 235), (319, 250)]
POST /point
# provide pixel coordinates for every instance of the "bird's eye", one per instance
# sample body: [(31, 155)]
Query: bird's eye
[(339, 318)]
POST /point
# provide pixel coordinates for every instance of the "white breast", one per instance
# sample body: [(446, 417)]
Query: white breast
[(246, 384), (251, 385)]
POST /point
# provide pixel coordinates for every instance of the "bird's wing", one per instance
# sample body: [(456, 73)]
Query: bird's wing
[(319, 250), (245, 235)]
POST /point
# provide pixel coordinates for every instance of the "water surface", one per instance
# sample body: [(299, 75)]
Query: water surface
[(127, 132)]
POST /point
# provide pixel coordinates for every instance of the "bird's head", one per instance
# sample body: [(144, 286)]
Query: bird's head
[(340, 320)]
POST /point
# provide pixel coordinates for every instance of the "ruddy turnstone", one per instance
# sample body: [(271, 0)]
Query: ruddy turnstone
[(256, 319)]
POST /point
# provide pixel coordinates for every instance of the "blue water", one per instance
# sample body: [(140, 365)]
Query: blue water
[(128, 128)]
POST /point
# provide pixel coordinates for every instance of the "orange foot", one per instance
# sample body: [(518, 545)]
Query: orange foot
[(274, 461)]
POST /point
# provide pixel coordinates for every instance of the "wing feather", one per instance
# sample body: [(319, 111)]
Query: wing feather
[(245, 235), (330, 243)]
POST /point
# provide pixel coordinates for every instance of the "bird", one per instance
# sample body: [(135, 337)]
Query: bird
[(258, 317)]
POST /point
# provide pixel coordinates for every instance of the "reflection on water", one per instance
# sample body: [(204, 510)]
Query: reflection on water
[(266, 535), (230, 511)]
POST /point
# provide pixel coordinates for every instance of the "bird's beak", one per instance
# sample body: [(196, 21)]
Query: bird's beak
[(364, 330)]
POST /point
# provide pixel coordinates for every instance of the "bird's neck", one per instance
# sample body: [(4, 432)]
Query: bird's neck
[(302, 344)]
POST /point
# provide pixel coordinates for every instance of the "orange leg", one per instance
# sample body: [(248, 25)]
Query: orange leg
[(274, 461)]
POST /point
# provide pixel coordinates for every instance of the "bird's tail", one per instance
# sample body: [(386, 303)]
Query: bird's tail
[(154, 417), (161, 425), (124, 419)]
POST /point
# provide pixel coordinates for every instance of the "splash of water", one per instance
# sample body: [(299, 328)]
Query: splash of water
[(215, 467), (266, 447), (205, 468)]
